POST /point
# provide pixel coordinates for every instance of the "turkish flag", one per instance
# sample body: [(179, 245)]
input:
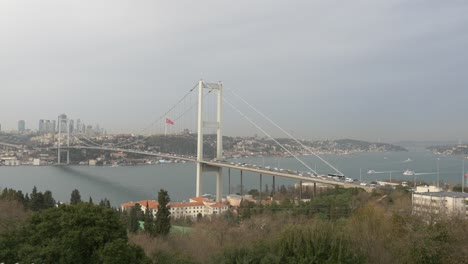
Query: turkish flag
[(466, 175), (168, 121)]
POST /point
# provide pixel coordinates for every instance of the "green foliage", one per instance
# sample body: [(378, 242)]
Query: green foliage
[(163, 224), (12, 195), (82, 233), (133, 223), (164, 257), (321, 243), (75, 197), (105, 203), (119, 251), (150, 225), (36, 202), (48, 200)]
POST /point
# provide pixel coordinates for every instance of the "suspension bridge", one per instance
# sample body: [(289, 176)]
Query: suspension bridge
[(205, 121)]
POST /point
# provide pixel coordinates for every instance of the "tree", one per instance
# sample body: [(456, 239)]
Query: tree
[(82, 233), (49, 201), (75, 197), (133, 223), (105, 203), (149, 221), (163, 224), (36, 200)]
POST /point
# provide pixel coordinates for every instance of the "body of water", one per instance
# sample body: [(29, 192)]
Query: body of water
[(132, 183)]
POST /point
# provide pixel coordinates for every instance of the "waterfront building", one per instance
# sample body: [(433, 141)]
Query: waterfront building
[(432, 202), (195, 206)]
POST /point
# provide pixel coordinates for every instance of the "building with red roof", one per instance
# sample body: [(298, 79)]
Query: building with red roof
[(195, 206)]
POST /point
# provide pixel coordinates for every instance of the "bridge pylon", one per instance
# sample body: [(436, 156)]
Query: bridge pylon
[(63, 119), (201, 167)]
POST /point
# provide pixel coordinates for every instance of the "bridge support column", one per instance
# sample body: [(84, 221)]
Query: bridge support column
[(300, 190), (218, 126), (68, 141), (273, 187), (199, 176), (241, 186), (260, 189), (200, 139), (219, 185)]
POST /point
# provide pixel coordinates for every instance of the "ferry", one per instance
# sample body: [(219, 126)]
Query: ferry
[(409, 173)]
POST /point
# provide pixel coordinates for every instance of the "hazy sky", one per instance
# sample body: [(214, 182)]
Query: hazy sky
[(322, 69)]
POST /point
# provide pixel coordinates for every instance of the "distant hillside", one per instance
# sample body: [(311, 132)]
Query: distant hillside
[(449, 149), (186, 144)]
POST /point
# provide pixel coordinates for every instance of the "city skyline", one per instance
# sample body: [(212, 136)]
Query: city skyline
[(322, 69)]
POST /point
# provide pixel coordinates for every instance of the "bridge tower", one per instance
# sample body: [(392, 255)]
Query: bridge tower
[(201, 167), (63, 119)]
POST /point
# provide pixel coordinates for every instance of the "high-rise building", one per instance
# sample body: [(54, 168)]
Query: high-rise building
[(48, 126), (78, 125), (53, 127), (62, 123), (21, 126), (42, 127), (71, 125)]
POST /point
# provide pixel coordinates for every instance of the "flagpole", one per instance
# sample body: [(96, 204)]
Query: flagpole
[(165, 128)]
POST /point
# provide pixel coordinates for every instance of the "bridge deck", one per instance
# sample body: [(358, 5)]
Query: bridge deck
[(236, 167)]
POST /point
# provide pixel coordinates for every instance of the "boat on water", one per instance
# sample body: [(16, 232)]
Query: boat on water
[(408, 160), (370, 171), (409, 173), (115, 165)]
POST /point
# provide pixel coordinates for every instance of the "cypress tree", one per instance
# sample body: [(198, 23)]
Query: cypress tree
[(149, 221), (49, 201), (163, 224), (134, 225), (75, 197)]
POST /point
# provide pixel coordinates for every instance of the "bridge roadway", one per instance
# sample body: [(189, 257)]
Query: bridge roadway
[(287, 175), (10, 145), (220, 164)]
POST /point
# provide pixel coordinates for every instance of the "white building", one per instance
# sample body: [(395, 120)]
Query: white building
[(195, 206), (12, 162), (430, 201)]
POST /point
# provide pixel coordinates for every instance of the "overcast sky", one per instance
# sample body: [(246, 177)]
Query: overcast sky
[(322, 69)]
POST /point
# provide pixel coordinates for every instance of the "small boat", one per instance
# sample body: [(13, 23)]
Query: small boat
[(370, 171), (409, 173), (408, 160)]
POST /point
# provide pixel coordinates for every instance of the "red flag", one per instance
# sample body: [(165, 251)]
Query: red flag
[(466, 175), (168, 121)]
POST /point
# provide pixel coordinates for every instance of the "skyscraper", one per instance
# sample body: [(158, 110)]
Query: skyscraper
[(53, 127), (42, 127), (78, 125), (71, 125), (62, 123), (21, 126)]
